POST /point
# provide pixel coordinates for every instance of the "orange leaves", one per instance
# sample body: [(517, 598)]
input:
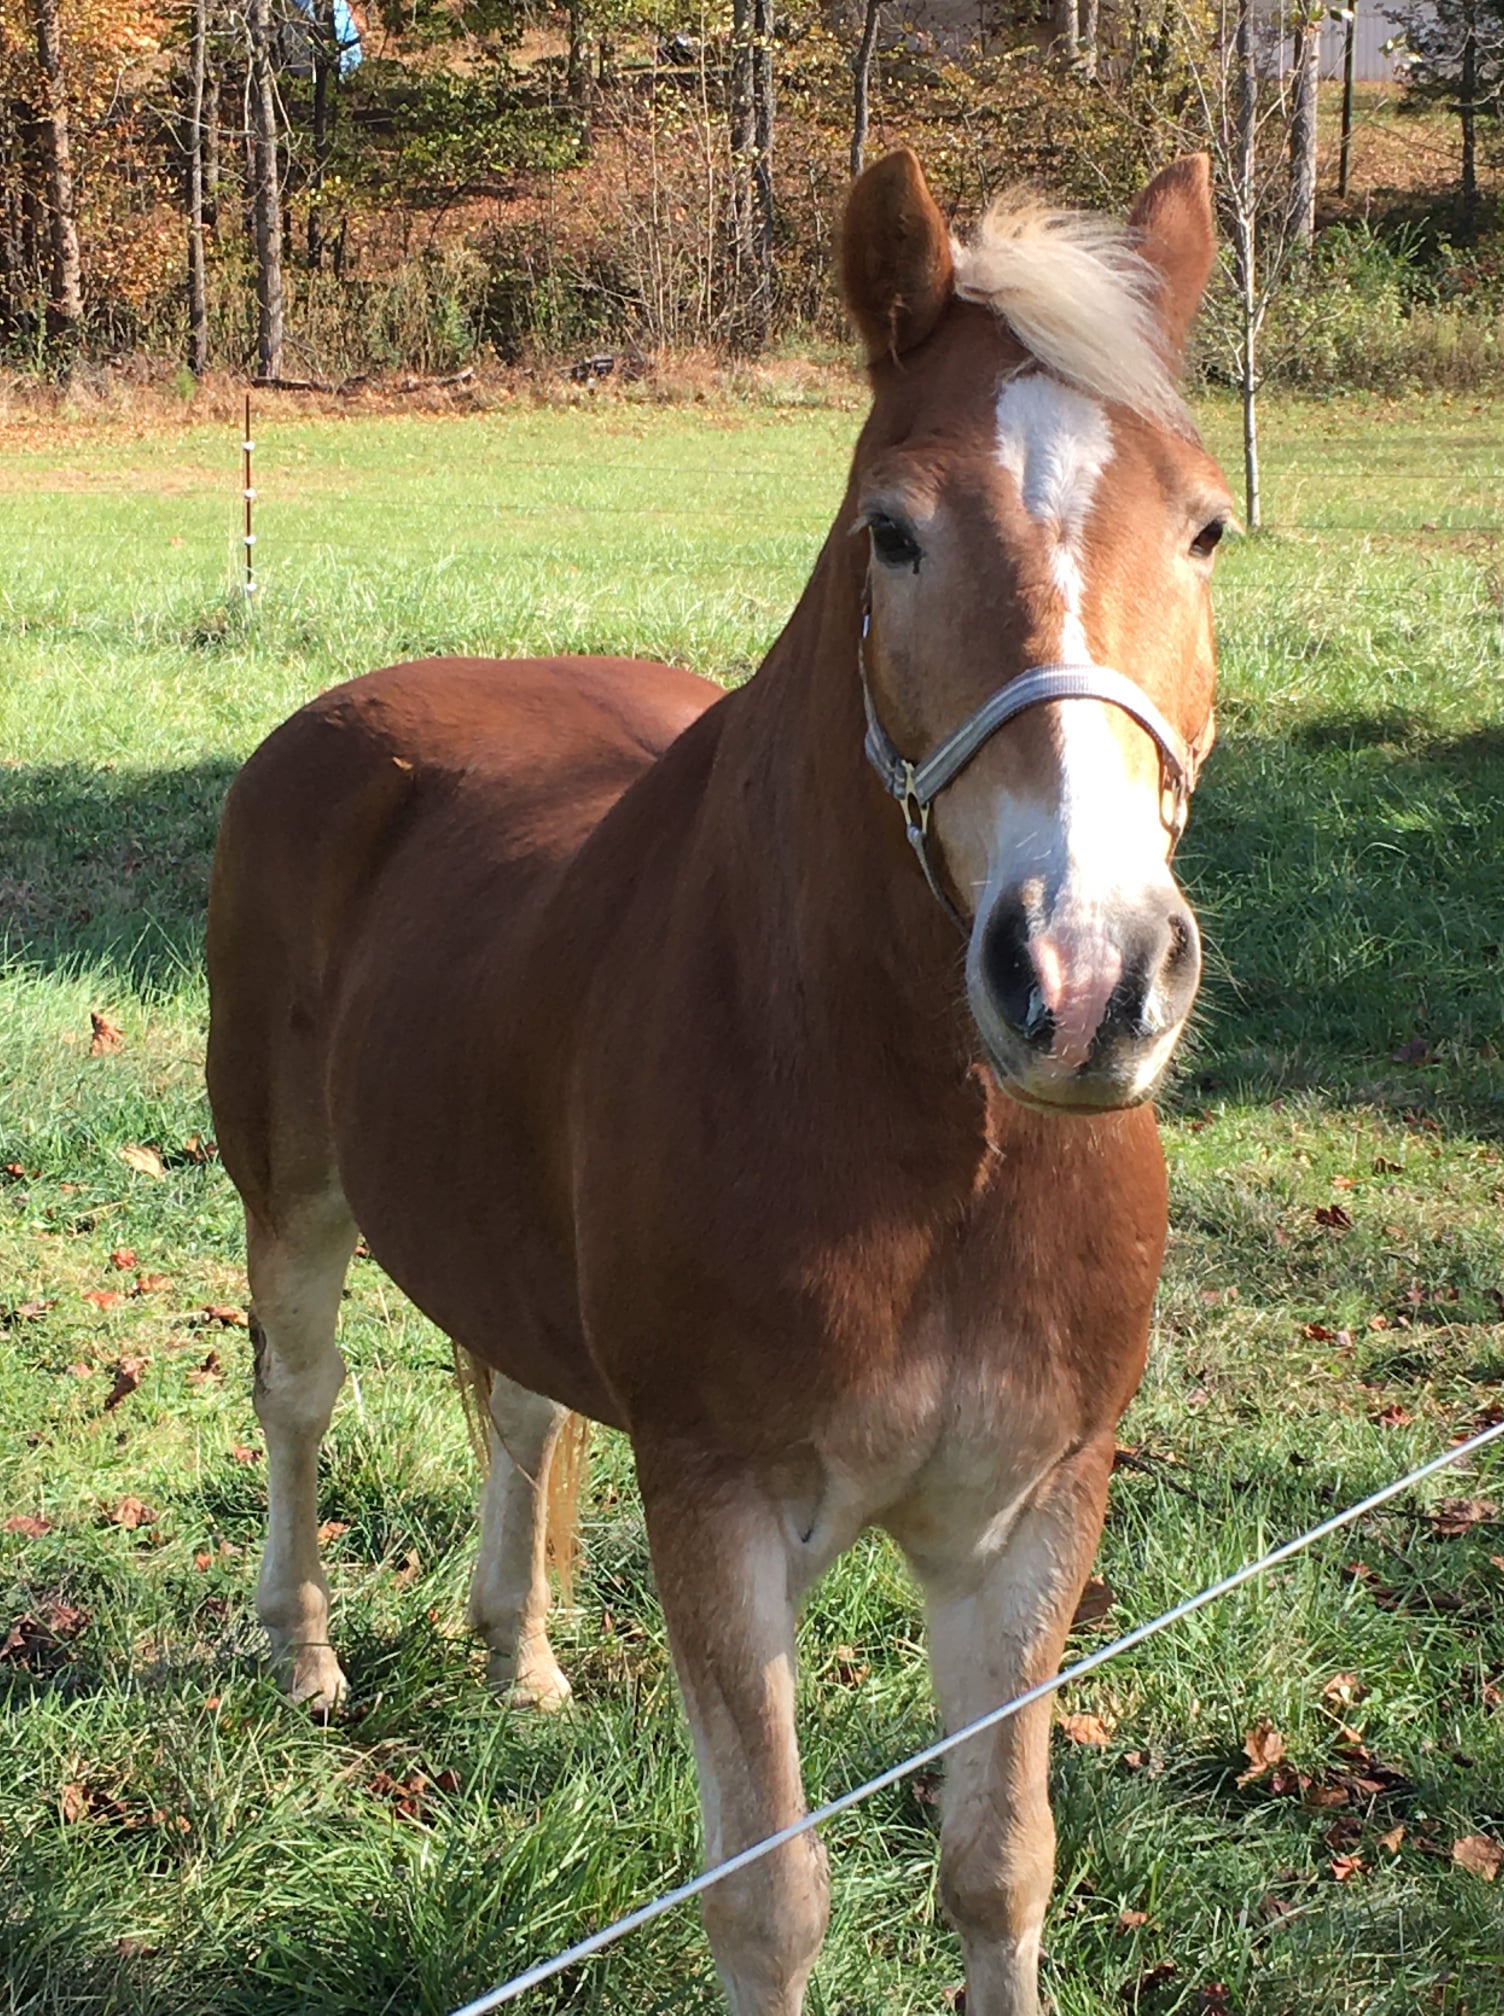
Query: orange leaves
[(1264, 1747), (29, 1524), (129, 1373), (1480, 1855), (1089, 1730), (104, 1298), (106, 1036)]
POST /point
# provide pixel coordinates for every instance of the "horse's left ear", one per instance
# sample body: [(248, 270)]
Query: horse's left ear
[(896, 269), (1177, 233)]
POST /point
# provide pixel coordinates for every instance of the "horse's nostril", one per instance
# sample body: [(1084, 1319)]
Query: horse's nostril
[(1011, 978)]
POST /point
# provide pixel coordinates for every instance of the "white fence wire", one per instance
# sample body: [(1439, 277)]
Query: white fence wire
[(596, 1942)]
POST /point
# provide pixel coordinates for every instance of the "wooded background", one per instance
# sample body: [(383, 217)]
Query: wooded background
[(295, 190)]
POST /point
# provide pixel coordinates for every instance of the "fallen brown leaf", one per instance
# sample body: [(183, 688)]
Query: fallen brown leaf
[(122, 1259), (1097, 1598), (331, 1530), (73, 1801), (1344, 1690), (209, 1373), (239, 1453), (132, 1513), (106, 1035), (151, 1284), (1264, 1747), (145, 1161), (223, 1312), (29, 1312), (1390, 1842), (104, 1298), (1455, 1516), (1345, 1867), (1129, 1921), (197, 1149), (1479, 1855), (1087, 1729), (1392, 1416), (1333, 1217), (128, 1375), (30, 1524)]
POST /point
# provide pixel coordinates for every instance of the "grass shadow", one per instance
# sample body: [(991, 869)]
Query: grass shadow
[(1347, 881), (104, 866)]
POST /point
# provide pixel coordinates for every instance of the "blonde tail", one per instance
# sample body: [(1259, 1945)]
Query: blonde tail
[(565, 1471)]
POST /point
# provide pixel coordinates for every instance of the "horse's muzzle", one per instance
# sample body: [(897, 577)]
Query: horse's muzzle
[(1084, 1013)]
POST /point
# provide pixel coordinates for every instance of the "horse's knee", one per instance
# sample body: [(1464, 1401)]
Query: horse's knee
[(995, 1880), (766, 1925)]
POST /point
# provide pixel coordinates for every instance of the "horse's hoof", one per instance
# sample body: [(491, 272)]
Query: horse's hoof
[(312, 1676), (538, 1685)]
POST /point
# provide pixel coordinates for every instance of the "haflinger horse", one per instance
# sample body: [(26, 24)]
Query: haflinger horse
[(630, 1023)]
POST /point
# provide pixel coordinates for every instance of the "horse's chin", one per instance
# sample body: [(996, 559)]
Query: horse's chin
[(1082, 1095)]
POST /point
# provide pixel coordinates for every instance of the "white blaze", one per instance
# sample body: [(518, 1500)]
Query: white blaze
[(1055, 443)]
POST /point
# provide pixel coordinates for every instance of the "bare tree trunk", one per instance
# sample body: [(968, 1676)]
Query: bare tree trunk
[(577, 74), (211, 143), (1065, 34), (1349, 55), (762, 157), (13, 277), (198, 291), (1467, 111), (1303, 130), (65, 303), (1091, 15), (266, 193), (325, 77), (1245, 210), (861, 70)]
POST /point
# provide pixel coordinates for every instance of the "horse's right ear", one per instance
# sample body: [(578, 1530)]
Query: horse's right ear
[(896, 268), (1176, 228)]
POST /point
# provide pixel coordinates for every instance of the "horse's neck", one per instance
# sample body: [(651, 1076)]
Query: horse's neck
[(845, 928)]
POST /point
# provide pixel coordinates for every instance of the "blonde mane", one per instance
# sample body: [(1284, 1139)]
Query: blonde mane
[(1079, 297)]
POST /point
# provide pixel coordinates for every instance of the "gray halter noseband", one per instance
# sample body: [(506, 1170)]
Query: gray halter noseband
[(916, 786)]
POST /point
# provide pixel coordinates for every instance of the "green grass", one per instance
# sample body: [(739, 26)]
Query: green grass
[(1347, 859)]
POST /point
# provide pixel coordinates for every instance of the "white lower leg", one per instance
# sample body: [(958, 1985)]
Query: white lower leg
[(509, 1593), (299, 1371)]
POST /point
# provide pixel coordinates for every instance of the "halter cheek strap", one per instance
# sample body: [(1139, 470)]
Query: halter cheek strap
[(916, 786)]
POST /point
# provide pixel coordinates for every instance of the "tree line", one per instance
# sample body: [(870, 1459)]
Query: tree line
[(227, 177)]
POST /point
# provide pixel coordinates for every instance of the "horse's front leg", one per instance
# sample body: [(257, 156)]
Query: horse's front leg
[(727, 1572), (998, 1620)]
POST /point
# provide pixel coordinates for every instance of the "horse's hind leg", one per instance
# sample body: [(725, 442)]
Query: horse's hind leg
[(297, 1273), (509, 1594)]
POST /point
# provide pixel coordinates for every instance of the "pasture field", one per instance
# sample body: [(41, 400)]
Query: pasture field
[(175, 1838)]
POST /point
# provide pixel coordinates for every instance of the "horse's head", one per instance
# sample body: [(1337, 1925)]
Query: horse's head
[(1033, 495)]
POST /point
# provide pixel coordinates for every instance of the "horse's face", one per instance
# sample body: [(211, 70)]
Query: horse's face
[(1017, 520)]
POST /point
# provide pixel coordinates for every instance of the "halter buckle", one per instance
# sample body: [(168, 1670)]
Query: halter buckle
[(916, 810)]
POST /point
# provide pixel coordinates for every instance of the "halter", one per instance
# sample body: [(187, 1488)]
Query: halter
[(916, 786)]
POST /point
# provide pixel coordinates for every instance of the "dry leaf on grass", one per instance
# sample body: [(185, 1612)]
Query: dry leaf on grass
[(240, 1453), (128, 1375), (29, 1524), (1088, 1729), (1478, 1854), (104, 1298), (73, 1801), (122, 1259), (1391, 1841), (332, 1529), (1129, 1921), (30, 1312), (132, 1513), (1096, 1600), (1455, 1516), (1333, 1217), (1344, 1690), (145, 1161), (106, 1035), (210, 1373), (1264, 1747), (151, 1284), (223, 1312)]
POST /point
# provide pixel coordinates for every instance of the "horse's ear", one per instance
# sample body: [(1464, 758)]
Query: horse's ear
[(895, 256), (1177, 233)]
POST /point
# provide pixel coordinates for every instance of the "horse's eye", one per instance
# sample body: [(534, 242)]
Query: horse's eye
[(1207, 540), (893, 542)]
